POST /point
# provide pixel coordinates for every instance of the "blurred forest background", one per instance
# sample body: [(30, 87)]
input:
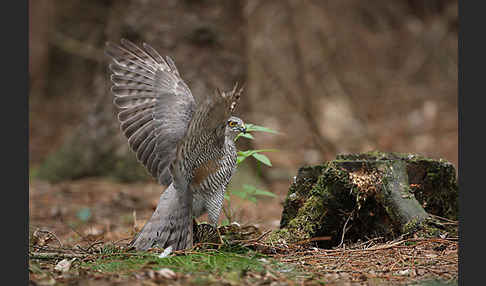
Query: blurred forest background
[(331, 76)]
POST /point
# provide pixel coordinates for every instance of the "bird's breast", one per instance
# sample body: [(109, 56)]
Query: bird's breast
[(204, 171)]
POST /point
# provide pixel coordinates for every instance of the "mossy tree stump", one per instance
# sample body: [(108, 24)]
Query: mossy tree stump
[(360, 196)]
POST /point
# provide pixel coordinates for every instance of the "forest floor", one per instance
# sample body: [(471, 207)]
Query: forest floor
[(78, 232)]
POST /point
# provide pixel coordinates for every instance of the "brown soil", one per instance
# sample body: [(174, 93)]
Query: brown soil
[(70, 218)]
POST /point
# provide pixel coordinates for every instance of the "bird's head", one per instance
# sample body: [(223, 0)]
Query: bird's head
[(234, 126)]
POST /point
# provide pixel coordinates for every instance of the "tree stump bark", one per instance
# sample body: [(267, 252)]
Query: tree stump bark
[(360, 196)]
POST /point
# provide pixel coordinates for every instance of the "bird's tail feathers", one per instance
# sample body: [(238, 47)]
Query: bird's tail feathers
[(170, 224)]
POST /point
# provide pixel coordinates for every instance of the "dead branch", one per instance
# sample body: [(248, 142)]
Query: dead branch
[(55, 255)]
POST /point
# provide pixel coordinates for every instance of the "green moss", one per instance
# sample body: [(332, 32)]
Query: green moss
[(412, 226), (278, 235), (433, 180), (311, 205), (378, 155), (309, 219), (435, 186), (323, 197), (299, 192), (214, 262), (430, 227)]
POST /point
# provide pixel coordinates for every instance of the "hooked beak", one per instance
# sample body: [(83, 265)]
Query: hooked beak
[(243, 129)]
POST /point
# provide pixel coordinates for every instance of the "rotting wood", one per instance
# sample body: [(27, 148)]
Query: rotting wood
[(369, 195)]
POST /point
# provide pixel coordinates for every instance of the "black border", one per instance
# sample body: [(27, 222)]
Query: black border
[(471, 143), (15, 122), (460, 121)]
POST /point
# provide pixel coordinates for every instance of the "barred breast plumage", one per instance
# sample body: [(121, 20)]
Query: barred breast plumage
[(210, 181)]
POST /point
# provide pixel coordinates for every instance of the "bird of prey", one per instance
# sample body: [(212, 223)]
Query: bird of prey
[(184, 142)]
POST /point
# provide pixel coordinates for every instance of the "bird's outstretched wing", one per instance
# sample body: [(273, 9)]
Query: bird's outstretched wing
[(155, 104)]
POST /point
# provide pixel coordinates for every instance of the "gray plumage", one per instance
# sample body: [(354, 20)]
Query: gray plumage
[(184, 144)]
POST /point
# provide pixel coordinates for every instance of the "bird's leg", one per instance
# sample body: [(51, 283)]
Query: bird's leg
[(220, 238), (214, 211), (213, 221)]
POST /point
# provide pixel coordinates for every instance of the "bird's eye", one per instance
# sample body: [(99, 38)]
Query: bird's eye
[(232, 124)]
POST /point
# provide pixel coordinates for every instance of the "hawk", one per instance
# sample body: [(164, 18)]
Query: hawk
[(186, 143)]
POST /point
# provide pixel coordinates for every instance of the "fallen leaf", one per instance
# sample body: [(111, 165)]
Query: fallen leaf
[(404, 272), (64, 265), (166, 273), (151, 274), (166, 252)]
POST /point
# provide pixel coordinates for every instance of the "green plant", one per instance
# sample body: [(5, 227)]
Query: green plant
[(219, 262), (249, 192)]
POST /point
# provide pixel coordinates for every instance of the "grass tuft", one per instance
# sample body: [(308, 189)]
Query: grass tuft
[(210, 262)]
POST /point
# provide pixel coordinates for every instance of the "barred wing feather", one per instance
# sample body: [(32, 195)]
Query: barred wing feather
[(155, 104)]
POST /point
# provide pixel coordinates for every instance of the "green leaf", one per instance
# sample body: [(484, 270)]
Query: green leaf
[(246, 153), (253, 127), (265, 193), (240, 159), (242, 155), (257, 192), (262, 158), (246, 135), (250, 193), (240, 194)]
